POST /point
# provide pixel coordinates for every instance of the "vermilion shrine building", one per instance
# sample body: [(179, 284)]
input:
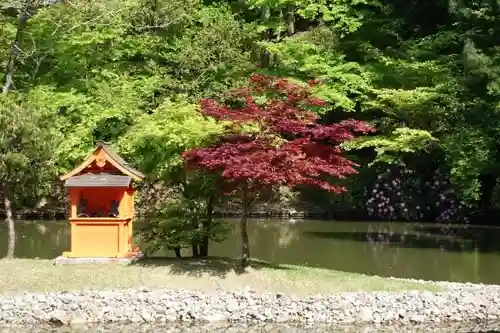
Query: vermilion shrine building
[(101, 205)]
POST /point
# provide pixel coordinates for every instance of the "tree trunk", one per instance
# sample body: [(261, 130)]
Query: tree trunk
[(195, 242), (177, 251), (206, 227), (488, 183), (245, 245), (25, 14), (196, 251), (265, 57), (290, 18), (11, 227)]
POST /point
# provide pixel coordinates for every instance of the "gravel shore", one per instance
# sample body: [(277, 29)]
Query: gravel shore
[(259, 328), (457, 303)]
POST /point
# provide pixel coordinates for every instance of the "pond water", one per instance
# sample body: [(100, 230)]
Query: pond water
[(410, 250)]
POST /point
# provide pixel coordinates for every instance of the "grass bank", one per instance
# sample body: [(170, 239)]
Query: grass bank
[(28, 275)]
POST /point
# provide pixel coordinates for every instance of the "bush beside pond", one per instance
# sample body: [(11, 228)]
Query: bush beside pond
[(457, 303)]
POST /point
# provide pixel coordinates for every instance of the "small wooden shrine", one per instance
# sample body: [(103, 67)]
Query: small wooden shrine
[(101, 205)]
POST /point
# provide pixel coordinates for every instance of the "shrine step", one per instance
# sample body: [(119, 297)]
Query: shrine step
[(61, 260)]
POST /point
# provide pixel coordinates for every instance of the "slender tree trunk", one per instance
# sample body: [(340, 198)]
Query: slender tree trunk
[(8, 81), (206, 227), (177, 251), (265, 57), (194, 243), (488, 184), (245, 245), (195, 249), (10, 225), (34, 76), (25, 14), (290, 18)]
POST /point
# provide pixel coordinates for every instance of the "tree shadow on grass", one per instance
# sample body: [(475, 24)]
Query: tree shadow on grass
[(215, 266), (444, 238)]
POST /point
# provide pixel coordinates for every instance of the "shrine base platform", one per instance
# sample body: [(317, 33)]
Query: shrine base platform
[(61, 260)]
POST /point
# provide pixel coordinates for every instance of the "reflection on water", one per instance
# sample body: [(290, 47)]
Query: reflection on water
[(425, 251), (411, 250), (37, 239)]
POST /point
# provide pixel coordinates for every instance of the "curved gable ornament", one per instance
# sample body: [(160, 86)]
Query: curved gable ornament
[(102, 154)]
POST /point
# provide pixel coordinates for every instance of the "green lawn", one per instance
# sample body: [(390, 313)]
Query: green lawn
[(21, 275)]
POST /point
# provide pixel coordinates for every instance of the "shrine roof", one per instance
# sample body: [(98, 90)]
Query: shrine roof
[(98, 180), (118, 159), (104, 152)]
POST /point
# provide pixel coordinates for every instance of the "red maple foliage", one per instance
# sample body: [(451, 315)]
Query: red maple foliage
[(290, 148)]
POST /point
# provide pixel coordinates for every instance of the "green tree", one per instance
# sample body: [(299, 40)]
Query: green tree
[(27, 144), (103, 64), (179, 211)]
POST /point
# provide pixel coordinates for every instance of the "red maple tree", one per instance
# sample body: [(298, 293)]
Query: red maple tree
[(274, 143)]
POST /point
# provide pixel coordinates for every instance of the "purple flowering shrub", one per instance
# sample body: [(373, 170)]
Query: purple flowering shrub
[(402, 193)]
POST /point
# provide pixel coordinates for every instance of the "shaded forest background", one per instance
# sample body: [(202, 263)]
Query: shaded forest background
[(425, 73)]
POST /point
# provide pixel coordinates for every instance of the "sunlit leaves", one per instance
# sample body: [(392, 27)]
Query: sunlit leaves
[(212, 56), (101, 65), (158, 139), (27, 146), (308, 152), (391, 148), (344, 15), (304, 58)]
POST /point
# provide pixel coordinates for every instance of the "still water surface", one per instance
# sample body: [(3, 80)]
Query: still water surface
[(408, 250)]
